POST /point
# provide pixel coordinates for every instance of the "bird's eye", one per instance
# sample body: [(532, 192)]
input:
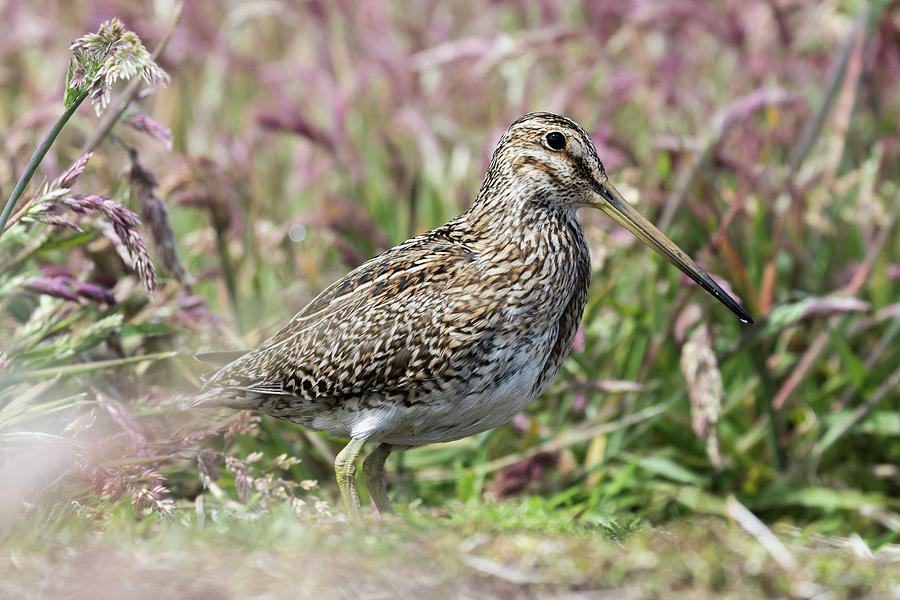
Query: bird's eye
[(556, 140)]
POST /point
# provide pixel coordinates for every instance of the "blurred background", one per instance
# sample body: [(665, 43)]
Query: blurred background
[(297, 139)]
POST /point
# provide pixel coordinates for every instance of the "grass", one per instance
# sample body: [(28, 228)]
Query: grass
[(481, 550), (294, 142)]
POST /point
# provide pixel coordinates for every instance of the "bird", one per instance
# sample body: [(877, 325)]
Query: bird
[(455, 331)]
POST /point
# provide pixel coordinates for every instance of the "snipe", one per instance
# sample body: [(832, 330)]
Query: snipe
[(454, 331)]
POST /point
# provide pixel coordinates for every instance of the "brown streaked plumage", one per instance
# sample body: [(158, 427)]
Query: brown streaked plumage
[(456, 330)]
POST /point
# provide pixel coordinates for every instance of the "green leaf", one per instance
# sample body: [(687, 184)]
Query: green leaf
[(147, 329), (822, 498), (669, 469), (855, 367), (23, 397), (883, 423), (81, 368), (664, 165), (692, 497), (65, 242)]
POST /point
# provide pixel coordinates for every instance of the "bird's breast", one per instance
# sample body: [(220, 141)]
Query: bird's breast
[(540, 269)]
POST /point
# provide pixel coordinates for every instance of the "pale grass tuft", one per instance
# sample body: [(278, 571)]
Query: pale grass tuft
[(100, 59), (704, 385)]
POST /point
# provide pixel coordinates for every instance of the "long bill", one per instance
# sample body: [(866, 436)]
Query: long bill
[(625, 214)]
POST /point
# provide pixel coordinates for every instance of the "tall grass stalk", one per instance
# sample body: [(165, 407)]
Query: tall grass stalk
[(38, 156)]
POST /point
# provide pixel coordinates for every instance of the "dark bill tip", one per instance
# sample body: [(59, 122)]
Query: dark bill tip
[(627, 216)]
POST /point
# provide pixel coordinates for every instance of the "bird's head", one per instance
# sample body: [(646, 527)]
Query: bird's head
[(551, 160)]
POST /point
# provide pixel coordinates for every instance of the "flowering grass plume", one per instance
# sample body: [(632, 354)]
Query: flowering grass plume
[(144, 485), (100, 59), (125, 226), (156, 216), (124, 234), (142, 122)]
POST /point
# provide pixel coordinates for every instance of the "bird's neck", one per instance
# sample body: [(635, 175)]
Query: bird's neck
[(531, 238), (519, 216)]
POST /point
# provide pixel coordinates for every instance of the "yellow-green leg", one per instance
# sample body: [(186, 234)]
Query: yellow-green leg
[(373, 474), (345, 469)]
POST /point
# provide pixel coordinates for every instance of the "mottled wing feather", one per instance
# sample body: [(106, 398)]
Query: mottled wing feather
[(390, 327)]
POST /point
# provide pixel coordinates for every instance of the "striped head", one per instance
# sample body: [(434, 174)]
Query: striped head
[(547, 157), (546, 162)]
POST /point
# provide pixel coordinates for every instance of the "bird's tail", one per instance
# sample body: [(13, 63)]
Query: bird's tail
[(213, 394), (205, 399), (218, 397)]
